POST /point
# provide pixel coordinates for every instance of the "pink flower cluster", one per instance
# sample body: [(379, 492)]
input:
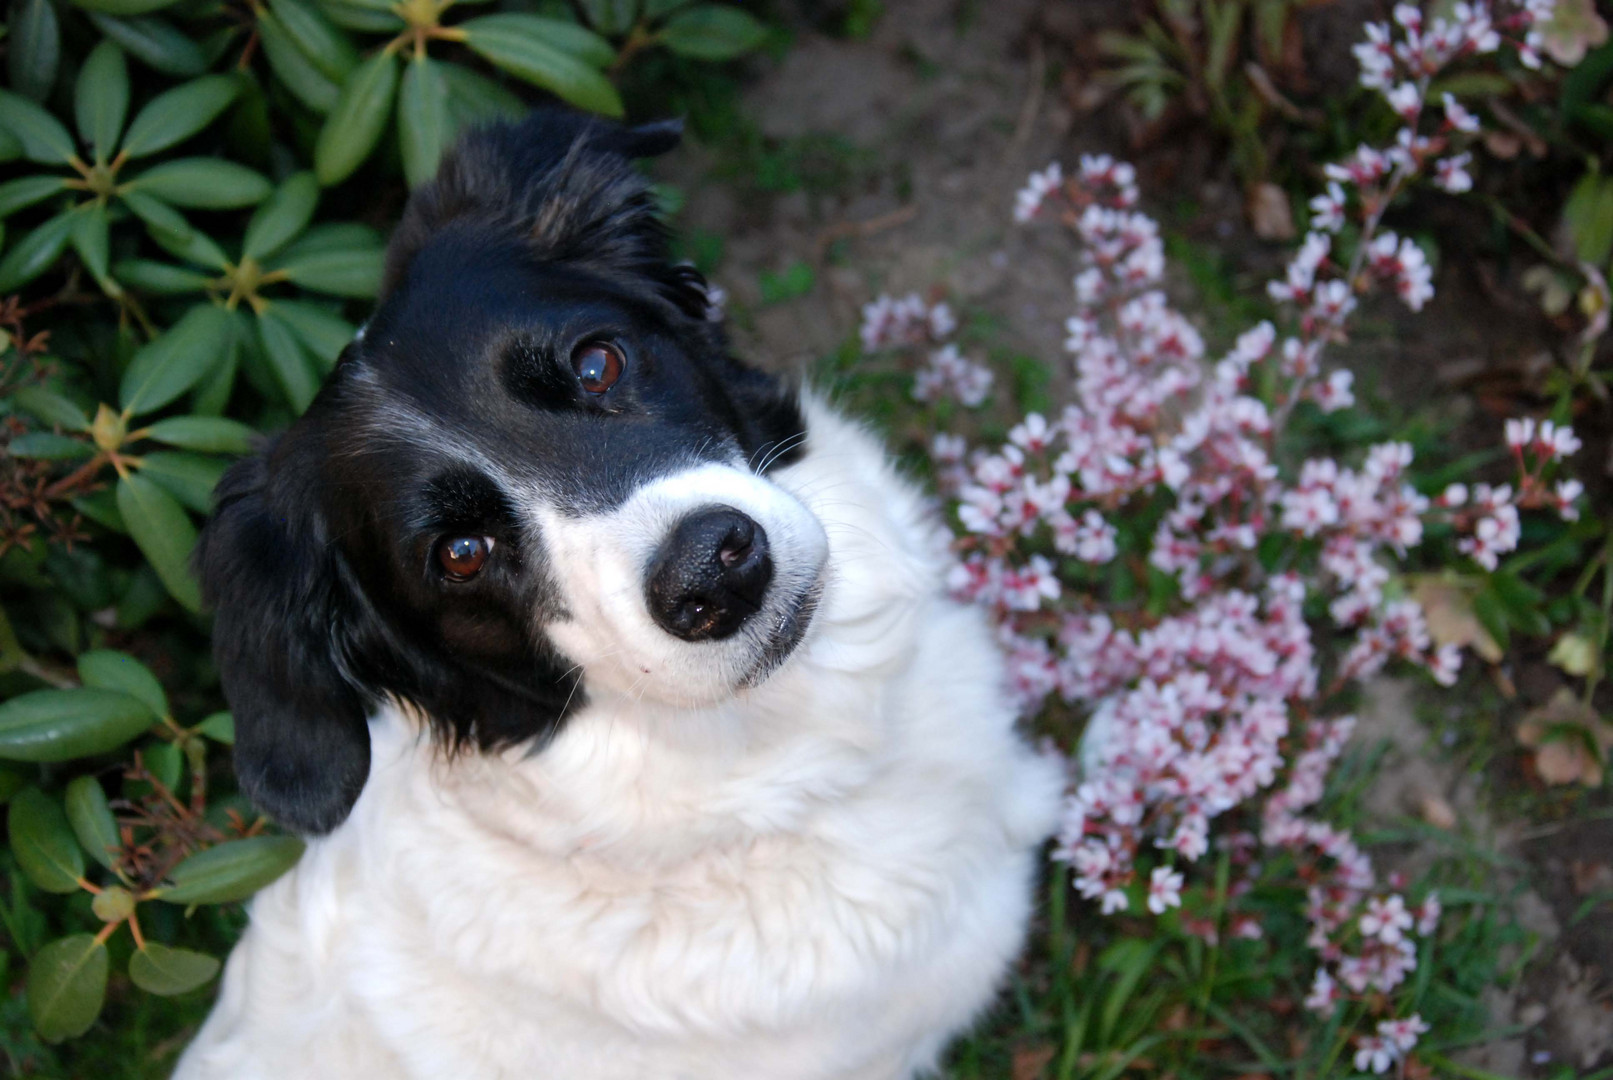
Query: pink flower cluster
[(1206, 707), (910, 324)]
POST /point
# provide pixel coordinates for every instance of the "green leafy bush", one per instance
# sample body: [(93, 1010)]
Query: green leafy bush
[(193, 197)]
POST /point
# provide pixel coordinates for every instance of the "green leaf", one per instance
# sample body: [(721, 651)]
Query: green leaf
[(204, 183), (34, 48), (43, 137), (101, 507), (294, 70), (1492, 615), (474, 99), (23, 192), (12, 780), (10, 150), (656, 10), (189, 478), (166, 764), (326, 47), (282, 216), (1588, 213), (610, 16), (526, 54), (45, 446), (108, 669), (92, 821), (101, 99), (293, 368), (209, 434), (67, 986), (212, 395), (164, 533), (158, 969), (356, 121), (324, 333), (51, 407), (91, 239), (58, 725), (711, 32), (155, 42), (175, 115), (355, 273), (231, 871), (332, 236), (176, 361), (36, 252), (43, 843), (567, 37), (365, 17), (160, 278), (169, 229), (220, 727), (125, 7), (424, 125)]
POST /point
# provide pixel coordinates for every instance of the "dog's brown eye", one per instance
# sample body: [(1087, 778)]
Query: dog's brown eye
[(462, 557), (598, 365)]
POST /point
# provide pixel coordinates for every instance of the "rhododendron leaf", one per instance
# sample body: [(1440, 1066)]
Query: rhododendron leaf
[(175, 361), (92, 821), (527, 54), (43, 137), (424, 124), (175, 115), (210, 434), (51, 407), (164, 533), (292, 67), (154, 41), (357, 119), (59, 725), (712, 32), (42, 842), (66, 986), (158, 969), (34, 48), (326, 47), (101, 99), (230, 871)]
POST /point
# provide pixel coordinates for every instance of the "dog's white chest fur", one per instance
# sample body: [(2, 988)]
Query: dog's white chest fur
[(826, 877)]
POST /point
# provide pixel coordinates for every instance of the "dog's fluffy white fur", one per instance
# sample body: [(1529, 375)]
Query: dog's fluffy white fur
[(826, 876)]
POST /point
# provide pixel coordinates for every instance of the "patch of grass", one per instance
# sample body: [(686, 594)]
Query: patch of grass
[(795, 280)]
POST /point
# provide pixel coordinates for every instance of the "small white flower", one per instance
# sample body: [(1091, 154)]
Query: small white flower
[(1164, 890)]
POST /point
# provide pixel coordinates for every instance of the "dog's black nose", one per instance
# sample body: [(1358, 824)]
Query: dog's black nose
[(710, 575)]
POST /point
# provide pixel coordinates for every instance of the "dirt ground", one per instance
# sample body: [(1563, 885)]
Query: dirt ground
[(946, 107)]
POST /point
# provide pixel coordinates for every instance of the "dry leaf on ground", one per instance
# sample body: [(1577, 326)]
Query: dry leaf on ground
[(1562, 733), (1448, 607)]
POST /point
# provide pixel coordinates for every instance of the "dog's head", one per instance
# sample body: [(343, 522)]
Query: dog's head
[(537, 475)]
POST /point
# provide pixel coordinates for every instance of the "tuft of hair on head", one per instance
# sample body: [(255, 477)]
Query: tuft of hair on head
[(562, 181)]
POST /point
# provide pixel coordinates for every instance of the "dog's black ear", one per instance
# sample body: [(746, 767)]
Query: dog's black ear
[(284, 616), (649, 140), (562, 180)]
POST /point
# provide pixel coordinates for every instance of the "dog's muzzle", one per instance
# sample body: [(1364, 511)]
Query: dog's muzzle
[(710, 574)]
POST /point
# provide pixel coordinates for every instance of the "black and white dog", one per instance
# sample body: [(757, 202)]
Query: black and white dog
[(616, 681)]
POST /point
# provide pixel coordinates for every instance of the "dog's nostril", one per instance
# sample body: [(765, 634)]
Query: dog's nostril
[(734, 552), (710, 575)]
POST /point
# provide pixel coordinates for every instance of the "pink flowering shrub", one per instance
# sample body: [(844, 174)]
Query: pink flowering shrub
[(1156, 559)]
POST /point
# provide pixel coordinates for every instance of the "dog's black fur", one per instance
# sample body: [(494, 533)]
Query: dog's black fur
[(534, 237)]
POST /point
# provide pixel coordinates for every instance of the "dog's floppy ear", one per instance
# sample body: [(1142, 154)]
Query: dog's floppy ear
[(284, 616), (562, 180)]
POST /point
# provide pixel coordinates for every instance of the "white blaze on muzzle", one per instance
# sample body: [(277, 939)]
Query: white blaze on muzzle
[(603, 563)]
